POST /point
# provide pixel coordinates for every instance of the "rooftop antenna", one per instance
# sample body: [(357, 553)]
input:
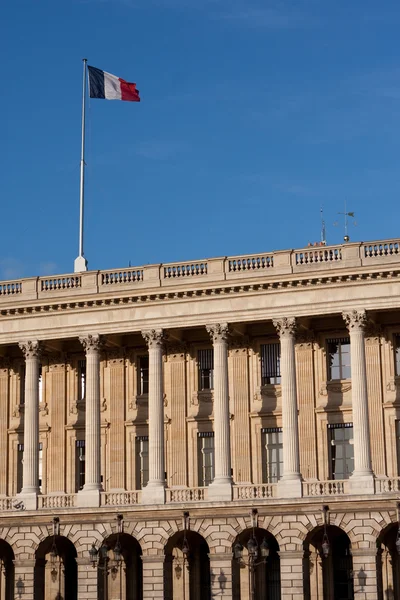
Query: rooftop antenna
[(323, 228), (346, 214)]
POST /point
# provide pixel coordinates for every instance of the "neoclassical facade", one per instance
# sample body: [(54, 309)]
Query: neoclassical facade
[(222, 428)]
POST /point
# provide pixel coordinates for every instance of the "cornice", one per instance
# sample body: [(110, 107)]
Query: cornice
[(280, 285)]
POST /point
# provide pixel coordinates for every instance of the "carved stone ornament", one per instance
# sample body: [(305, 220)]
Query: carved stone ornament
[(305, 339), (154, 337), (18, 410), (218, 332), (103, 405), (31, 348), (286, 327), (271, 391), (355, 320), (44, 409), (91, 342)]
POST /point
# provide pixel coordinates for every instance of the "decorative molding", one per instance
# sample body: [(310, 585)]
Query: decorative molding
[(286, 326), (176, 352), (334, 387), (270, 391), (43, 409), (200, 396), (91, 343), (356, 320), (31, 349), (154, 338), (218, 332)]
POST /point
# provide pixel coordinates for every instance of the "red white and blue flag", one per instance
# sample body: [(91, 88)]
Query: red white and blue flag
[(110, 87)]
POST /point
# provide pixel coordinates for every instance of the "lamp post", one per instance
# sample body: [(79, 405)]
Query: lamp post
[(254, 550), (100, 560), (325, 546), (54, 552)]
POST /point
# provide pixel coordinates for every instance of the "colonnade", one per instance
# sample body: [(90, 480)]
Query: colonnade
[(221, 488)]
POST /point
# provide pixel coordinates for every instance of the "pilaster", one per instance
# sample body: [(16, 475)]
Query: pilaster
[(221, 488), (117, 462), (291, 575), (4, 420), (153, 577), (375, 401), (23, 579), (364, 573), (177, 410), (221, 576), (239, 394), (306, 400), (87, 580), (57, 449)]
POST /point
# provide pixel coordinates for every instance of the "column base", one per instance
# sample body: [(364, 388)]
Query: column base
[(290, 488), (220, 491), (26, 501), (361, 484), (88, 499), (153, 494)]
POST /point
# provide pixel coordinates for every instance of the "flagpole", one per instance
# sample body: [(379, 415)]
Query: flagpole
[(81, 262)]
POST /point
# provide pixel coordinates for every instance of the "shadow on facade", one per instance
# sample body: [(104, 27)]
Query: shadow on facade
[(56, 575), (329, 578), (125, 580), (6, 571), (388, 564), (267, 574), (187, 567)]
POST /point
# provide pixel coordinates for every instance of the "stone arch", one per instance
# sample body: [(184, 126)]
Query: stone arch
[(55, 571), (83, 539), (388, 563), (362, 528), (7, 570), (328, 564), (261, 575), (187, 567), (120, 575)]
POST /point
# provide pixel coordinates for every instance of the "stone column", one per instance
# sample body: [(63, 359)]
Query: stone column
[(221, 488), (289, 485), (30, 471), (154, 492), (364, 573), (153, 576), (291, 574), (362, 480), (90, 495), (221, 576)]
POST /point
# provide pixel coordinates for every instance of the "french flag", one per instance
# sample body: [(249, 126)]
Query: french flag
[(110, 87)]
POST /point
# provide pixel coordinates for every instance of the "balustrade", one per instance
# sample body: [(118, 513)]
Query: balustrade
[(120, 498), (59, 283), (123, 276), (187, 494), (185, 270), (325, 488), (258, 491)]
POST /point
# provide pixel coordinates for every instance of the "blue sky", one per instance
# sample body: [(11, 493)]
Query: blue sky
[(253, 114)]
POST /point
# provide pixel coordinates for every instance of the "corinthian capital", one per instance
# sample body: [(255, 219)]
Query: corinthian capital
[(154, 337), (355, 320), (91, 342), (31, 348), (286, 327), (218, 332)]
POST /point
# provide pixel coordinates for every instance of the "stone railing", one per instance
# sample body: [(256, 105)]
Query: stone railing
[(254, 491), (57, 501), (11, 504), (325, 488), (386, 486), (120, 498), (186, 494), (214, 271)]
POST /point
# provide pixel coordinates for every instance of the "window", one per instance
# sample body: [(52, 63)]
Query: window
[(397, 425), (397, 352), (40, 465), (272, 451), (341, 450), (206, 457), (81, 379), (20, 458), (270, 364), (40, 383), (143, 378), (205, 360), (22, 371), (80, 464), (142, 461), (339, 358)]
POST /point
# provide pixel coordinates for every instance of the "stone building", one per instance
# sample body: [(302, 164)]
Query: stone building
[(227, 428)]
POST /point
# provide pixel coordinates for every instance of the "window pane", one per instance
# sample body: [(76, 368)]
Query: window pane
[(272, 455), (205, 359), (339, 359), (342, 451), (206, 458), (397, 355), (270, 363), (143, 383)]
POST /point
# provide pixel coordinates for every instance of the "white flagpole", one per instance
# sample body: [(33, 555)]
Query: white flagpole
[(81, 262)]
